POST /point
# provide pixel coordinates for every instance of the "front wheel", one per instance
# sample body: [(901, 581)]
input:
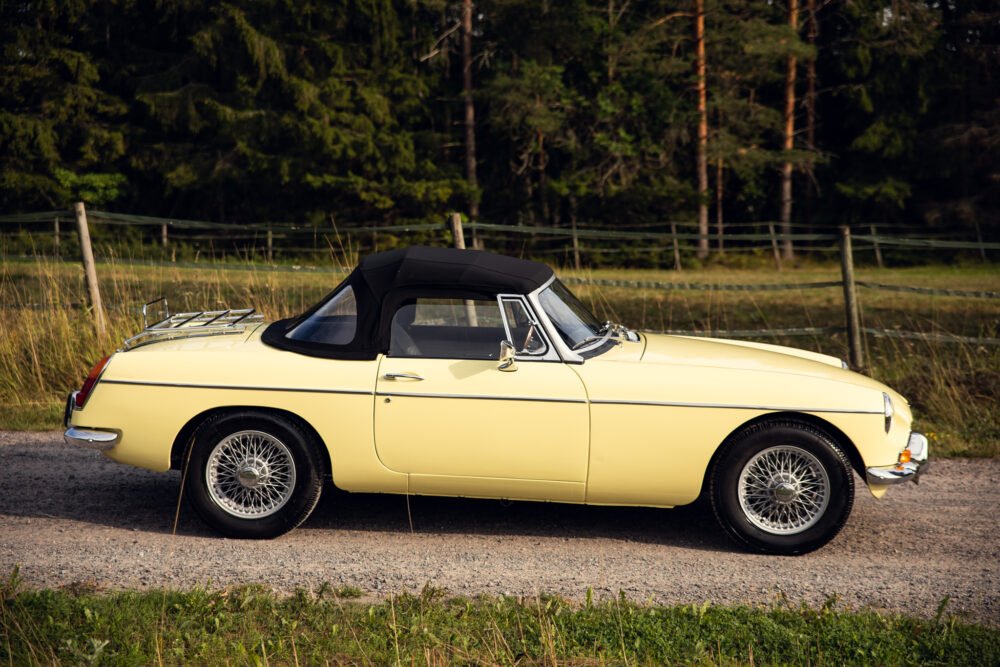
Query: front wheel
[(782, 488), (252, 474)]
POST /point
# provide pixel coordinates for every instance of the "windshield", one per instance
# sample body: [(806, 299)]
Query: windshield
[(573, 321)]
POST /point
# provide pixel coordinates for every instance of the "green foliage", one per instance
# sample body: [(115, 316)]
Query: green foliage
[(251, 625), (93, 188), (56, 118), (585, 109)]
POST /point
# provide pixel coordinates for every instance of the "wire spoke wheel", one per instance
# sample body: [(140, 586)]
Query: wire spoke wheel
[(250, 474), (784, 490)]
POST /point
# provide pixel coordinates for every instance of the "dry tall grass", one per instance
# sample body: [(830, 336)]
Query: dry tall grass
[(48, 342)]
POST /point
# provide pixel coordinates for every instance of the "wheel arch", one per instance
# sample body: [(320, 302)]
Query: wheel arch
[(182, 441), (830, 429)]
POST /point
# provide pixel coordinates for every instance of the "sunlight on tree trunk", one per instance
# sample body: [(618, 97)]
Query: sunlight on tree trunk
[(470, 117), (718, 205), (786, 169), (699, 28)]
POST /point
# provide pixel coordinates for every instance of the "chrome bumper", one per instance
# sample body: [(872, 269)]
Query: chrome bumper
[(91, 438), (903, 472)]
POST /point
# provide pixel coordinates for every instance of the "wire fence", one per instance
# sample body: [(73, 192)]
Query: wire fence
[(254, 242), (666, 244)]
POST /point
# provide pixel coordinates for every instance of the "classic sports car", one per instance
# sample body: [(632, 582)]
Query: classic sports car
[(464, 373)]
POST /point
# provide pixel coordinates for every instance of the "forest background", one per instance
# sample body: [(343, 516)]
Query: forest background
[(808, 112)]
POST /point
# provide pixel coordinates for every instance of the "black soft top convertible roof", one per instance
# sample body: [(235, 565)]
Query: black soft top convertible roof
[(385, 280), (421, 266)]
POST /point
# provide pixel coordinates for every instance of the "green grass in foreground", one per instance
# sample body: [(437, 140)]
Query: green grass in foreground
[(249, 625)]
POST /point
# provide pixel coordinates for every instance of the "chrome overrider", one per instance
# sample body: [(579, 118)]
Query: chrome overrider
[(99, 439), (905, 470)]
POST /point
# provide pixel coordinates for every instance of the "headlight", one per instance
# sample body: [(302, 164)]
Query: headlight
[(887, 411)]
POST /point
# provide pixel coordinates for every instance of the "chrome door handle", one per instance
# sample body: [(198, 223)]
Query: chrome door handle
[(402, 376)]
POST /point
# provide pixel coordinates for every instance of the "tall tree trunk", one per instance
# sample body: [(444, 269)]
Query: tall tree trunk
[(786, 169), (470, 116), (812, 35), (718, 205), (699, 33)]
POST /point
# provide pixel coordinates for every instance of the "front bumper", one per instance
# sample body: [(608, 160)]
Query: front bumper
[(903, 472), (91, 438)]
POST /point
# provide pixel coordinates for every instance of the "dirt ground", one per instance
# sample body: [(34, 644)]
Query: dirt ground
[(69, 517)]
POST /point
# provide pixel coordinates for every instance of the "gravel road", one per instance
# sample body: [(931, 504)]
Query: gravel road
[(69, 517)]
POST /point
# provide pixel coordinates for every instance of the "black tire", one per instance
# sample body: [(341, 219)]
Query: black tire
[(252, 474), (797, 488)]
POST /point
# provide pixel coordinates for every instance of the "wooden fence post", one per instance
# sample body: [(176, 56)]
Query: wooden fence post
[(878, 250), (979, 238), (456, 231), (270, 245), (89, 269), (853, 316), (455, 220), (164, 239), (774, 246), (576, 243), (55, 229), (677, 248)]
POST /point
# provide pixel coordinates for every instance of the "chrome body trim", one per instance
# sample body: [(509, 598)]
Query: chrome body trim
[(90, 438), (903, 472), (70, 407), (532, 310), (405, 376), (887, 411), (766, 408), (475, 397), (402, 376), (192, 324), (303, 390)]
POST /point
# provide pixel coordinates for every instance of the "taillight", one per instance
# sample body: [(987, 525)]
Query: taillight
[(88, 384)]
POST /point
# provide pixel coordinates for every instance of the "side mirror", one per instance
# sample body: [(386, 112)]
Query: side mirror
[(507, 362)]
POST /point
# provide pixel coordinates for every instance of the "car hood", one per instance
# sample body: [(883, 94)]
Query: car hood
[(748, 356)]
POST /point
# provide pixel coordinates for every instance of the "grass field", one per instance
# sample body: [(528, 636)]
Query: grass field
[(47, 341), (252, 626)]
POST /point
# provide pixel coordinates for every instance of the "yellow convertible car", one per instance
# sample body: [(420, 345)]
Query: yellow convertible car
[(464, 373)]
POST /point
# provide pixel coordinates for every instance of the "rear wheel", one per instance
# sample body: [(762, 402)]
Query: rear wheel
[(782, 487), (252, 475)]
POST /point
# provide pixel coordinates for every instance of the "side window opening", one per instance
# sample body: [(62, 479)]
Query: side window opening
[(447, 328), (335, 323)]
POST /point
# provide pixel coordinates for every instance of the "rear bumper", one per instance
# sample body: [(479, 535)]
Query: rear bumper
[(91, 438), (903, 472)]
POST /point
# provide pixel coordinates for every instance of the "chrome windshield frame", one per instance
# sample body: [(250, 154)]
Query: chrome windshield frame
[(555, 340), (611, 332)]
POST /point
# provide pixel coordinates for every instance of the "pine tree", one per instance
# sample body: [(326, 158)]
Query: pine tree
[(60, 133)]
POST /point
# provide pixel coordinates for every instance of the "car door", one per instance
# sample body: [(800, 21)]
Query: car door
[(446, 415)]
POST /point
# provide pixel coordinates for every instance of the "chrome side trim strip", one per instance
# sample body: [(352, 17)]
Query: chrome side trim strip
[(303, 390), (767, 408), (363, 392), (474, 397)]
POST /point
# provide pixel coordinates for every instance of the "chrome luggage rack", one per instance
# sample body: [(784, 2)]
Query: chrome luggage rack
[(189, 325)]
